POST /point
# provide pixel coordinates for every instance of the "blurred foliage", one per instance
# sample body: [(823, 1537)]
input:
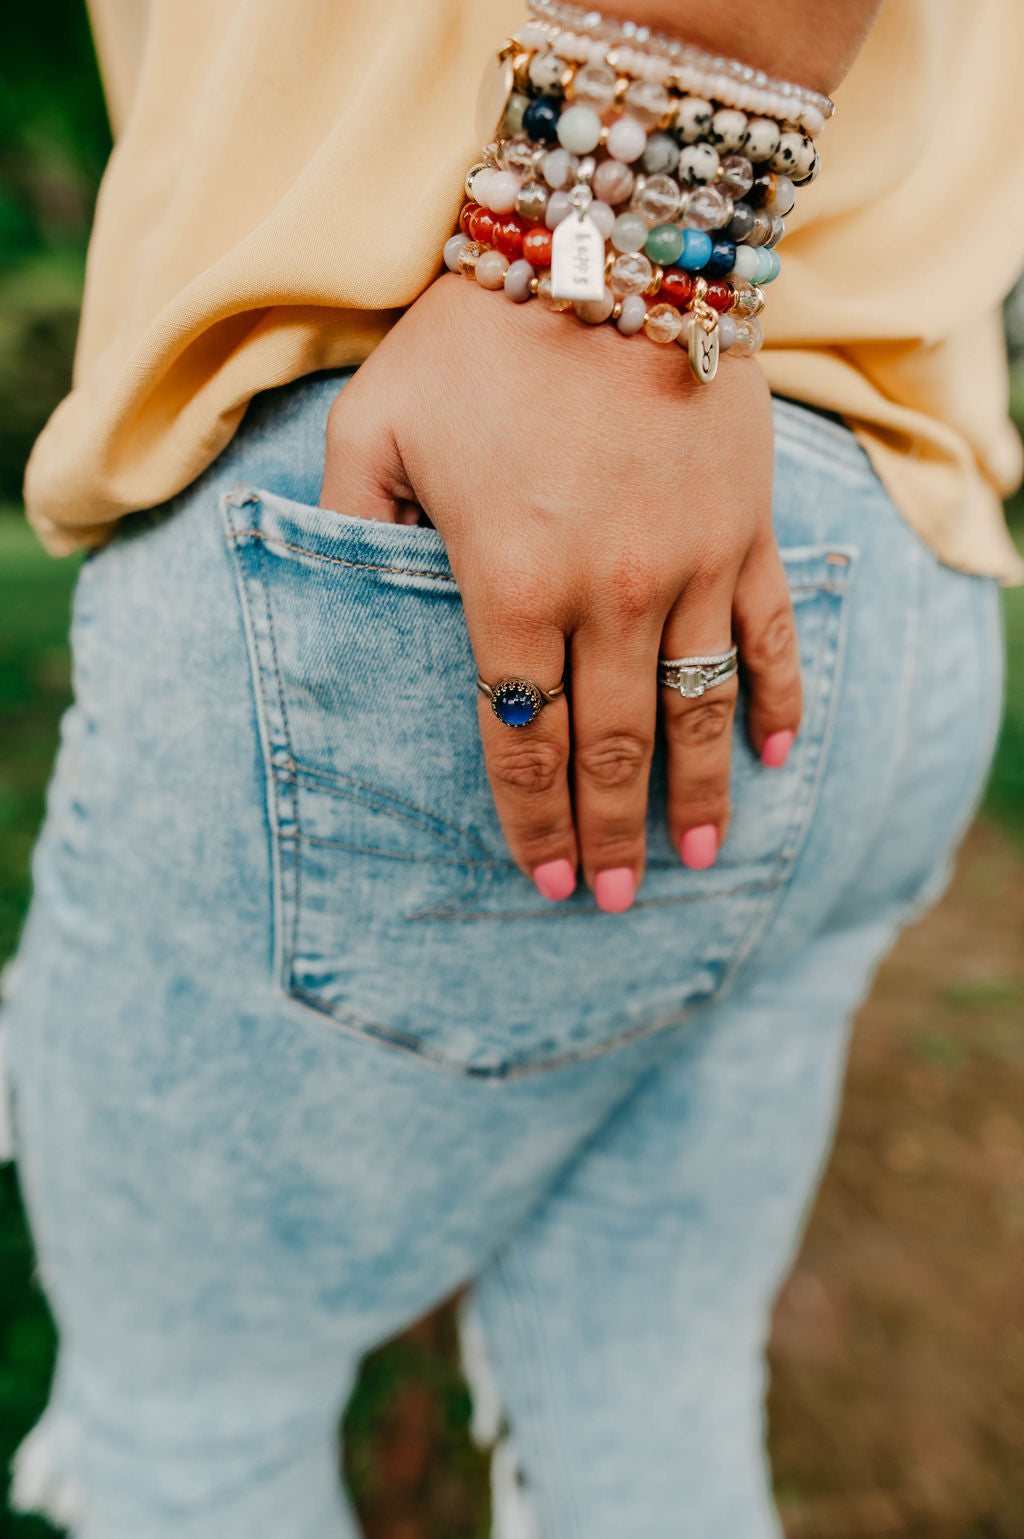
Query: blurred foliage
[(1005, 795), (54, 143)]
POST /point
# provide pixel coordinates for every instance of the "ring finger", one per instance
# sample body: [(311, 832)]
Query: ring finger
[(698, 731)]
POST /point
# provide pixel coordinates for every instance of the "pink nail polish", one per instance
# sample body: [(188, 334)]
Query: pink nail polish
[(699, 846), (775, 749), (614, 889), (555, 879)]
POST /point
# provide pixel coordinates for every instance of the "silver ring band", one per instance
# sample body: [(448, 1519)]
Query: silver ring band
[(694, 676)]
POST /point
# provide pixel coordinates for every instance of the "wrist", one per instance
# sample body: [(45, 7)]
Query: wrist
[(812, 41)]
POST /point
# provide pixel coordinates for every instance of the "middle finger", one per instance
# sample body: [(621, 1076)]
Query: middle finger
[(614, 706)]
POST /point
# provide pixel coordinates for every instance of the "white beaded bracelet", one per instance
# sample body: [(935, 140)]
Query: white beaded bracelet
[(587, 37)]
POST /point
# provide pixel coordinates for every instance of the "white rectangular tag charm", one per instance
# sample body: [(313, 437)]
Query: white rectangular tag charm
[(577, 259)]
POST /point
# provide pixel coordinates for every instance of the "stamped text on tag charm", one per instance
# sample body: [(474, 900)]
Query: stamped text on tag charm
[(577, 259), (703, 352)]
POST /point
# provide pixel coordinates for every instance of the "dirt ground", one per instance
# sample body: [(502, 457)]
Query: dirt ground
[(897, 1401), (898, 1358)]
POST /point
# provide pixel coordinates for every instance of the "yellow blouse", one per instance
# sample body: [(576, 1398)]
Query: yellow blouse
[(285, 176)]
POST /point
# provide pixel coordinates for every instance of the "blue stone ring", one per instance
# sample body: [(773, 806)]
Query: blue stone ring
[(517, 702)]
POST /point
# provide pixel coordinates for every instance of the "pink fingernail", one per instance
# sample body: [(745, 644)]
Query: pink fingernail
[(699, 846), (614, 889), (555, 879), (775, 749)]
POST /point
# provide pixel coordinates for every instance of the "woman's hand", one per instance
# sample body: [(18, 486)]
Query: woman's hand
[(586, 489)]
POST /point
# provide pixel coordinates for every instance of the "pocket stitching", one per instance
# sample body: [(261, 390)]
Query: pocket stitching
[(258, 537), (486, 865)]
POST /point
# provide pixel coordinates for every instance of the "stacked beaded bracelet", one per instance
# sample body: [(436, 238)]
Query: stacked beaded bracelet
[(608, 181)]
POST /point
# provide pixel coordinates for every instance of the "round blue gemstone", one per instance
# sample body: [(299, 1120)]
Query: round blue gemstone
[(540, 120), (514, 705), (696, 250)]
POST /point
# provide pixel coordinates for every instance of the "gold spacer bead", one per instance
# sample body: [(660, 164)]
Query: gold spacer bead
[(534, 286), (655, 283), (520, 72), (622, 85), (603, 140), (565, 80), (616, 310), (609, 263)]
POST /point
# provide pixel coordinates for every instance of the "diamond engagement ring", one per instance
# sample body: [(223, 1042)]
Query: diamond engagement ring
[(517, 702), (693, 676)]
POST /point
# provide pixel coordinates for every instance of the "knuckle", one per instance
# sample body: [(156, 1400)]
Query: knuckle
[(706, 722), (704, 801), (708, 580), (636, 582), (773, 643), (785, 706), (540, 842), (532, 766), (613, 761)]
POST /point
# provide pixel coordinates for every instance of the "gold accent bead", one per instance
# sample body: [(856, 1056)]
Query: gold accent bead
[(655, 283), (603, 140), (521, 71), (534, 286), (609, 263), (622, 85), (616, 310), (566, 79)]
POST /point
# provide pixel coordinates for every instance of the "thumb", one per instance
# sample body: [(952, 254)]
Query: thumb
[(363, 471)]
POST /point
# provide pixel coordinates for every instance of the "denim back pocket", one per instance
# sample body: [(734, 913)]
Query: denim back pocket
[(398, 912)]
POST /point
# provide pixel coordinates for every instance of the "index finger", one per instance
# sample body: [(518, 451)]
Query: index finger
[(526, 747)]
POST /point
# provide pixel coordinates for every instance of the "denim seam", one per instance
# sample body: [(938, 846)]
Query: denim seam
[(289, 963), (257, 673), (359, 566), (826, 586), (505, 1071), (758, 933), (283, 959), (990, 637), (424, 819), (369, 849), (505, 865), (592, 911), (810, 774), (387, 812)]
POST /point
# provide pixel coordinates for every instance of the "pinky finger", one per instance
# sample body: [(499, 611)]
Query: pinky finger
[(765, 630)]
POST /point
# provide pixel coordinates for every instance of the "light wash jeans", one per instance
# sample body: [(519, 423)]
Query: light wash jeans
[(297, 1051)]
